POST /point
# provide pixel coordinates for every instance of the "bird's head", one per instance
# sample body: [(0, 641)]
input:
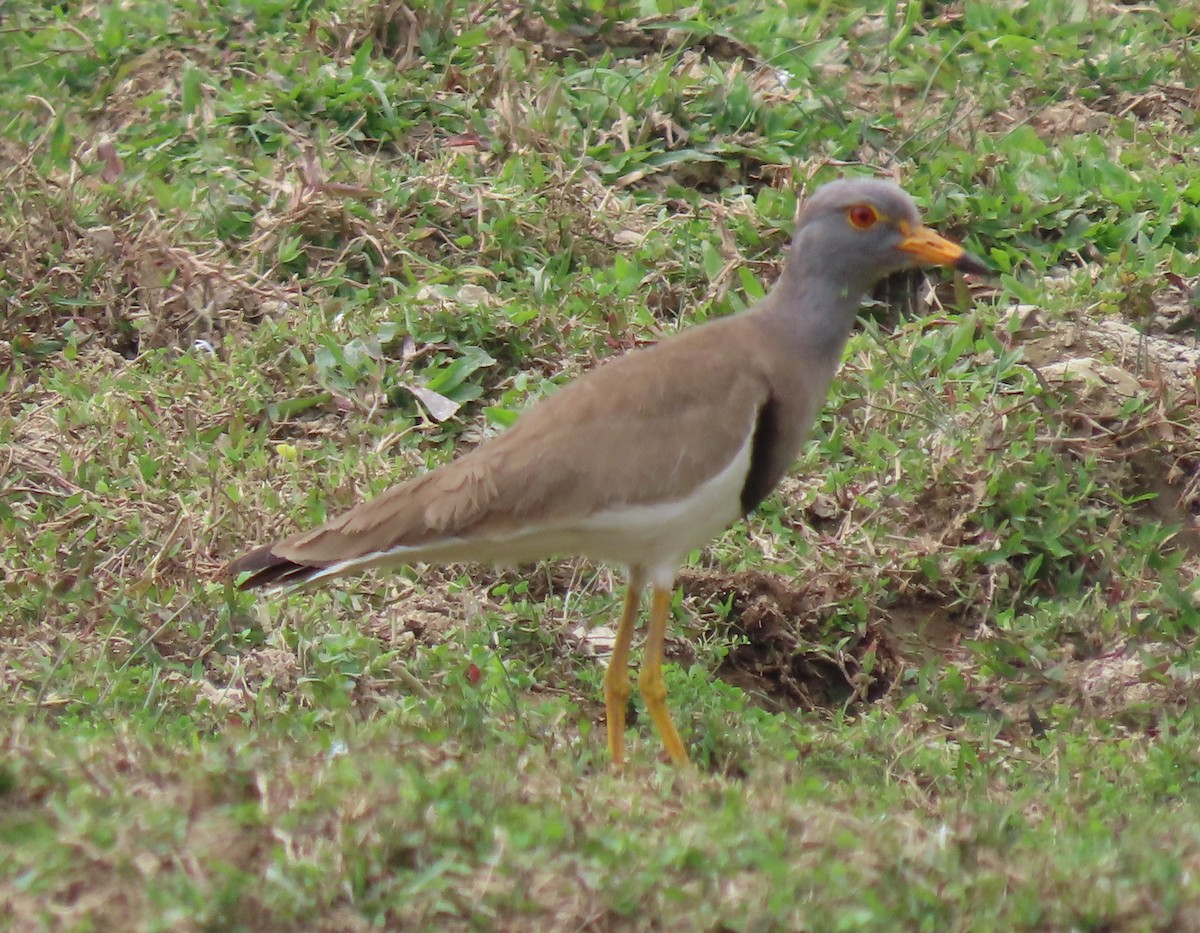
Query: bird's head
[(855, 232)]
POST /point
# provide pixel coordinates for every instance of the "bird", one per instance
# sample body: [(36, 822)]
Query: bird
[(650, 455)]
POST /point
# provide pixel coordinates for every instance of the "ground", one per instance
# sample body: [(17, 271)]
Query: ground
[(261, 259)]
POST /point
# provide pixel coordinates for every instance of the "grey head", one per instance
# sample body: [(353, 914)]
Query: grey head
[(854, 232)]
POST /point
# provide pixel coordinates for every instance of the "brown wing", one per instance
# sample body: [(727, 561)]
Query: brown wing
[(646, 427)]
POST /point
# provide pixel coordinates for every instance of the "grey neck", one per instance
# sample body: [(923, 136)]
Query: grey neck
[(812, 309)]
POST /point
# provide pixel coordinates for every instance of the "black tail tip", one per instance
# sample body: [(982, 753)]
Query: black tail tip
[(266, 568)]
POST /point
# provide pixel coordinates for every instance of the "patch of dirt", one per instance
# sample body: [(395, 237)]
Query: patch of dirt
[(594, 35), (1099, 367), (1171, 104), (783, 670), (1129, 675), (426, 624), (1133, 684), (1107, 353), (925, 626), (271, 665), (1067, 118), (1175, 495), (158, 70)]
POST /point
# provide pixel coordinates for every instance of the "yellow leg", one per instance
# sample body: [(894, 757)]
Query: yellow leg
[(650, 680), (616, 678)]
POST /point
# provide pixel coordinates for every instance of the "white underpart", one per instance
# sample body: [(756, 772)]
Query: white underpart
[(655, 539)]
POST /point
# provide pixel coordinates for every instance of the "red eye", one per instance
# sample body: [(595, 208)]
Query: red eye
[(862, 216)]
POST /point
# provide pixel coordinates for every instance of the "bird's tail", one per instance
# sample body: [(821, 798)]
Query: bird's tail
[(266, 568)]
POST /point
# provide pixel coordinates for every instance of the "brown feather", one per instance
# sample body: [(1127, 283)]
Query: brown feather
[(267, 569), (643, 428)]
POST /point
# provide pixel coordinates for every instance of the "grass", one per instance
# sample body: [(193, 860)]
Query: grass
[(259, 259)]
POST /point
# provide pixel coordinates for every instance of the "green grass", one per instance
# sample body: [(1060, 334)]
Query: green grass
[(940, 681)]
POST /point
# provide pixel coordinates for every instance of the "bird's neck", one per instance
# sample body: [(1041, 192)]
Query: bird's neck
[(813, 309)]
